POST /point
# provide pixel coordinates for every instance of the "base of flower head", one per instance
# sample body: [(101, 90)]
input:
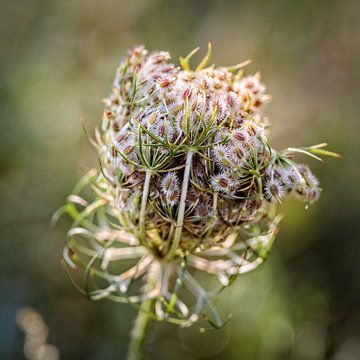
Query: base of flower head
[(116, 267)]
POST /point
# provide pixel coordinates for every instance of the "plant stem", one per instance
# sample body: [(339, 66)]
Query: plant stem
[(143, 207), (140, 331), (181, 213)]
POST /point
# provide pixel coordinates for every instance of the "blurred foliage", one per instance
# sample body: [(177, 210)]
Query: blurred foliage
[(57, 60)]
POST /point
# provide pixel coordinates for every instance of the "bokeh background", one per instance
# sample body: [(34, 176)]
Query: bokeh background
[(57, 60)]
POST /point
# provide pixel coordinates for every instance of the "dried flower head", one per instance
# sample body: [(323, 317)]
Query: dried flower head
[(188, 183)]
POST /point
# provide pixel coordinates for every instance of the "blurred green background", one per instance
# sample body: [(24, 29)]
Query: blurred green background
[(57, 60)]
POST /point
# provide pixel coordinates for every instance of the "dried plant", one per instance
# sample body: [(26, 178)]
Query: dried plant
[(188, 184)]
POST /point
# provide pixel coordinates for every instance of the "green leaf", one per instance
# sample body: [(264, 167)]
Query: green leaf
[(184, 62), (324, 152), (206, 60)]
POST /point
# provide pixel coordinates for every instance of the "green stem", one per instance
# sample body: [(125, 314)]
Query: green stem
[(181, 211), (140, 331), (143, 207)]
